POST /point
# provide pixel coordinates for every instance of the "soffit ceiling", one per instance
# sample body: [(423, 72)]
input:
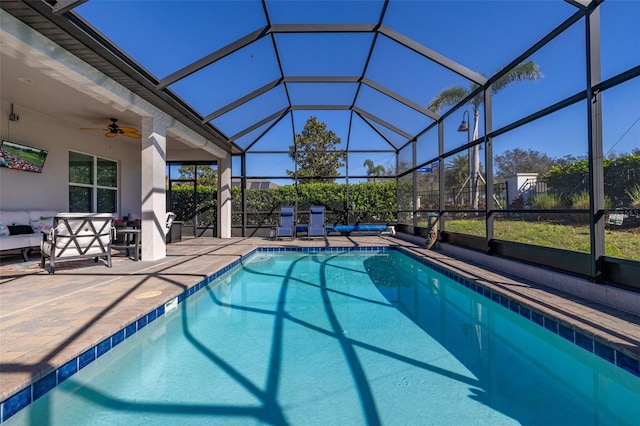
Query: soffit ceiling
[(371, 66)]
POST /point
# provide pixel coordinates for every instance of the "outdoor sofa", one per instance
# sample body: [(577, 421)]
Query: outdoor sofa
[(22, 229)]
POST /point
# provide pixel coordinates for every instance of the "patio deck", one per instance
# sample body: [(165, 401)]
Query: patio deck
[(46, 320)]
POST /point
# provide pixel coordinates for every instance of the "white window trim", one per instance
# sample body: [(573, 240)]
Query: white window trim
[(94, 186)]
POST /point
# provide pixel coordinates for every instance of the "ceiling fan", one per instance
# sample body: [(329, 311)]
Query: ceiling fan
[(114, 130)]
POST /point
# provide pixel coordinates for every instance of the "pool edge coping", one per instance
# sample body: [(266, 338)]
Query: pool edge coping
[(550, 319)]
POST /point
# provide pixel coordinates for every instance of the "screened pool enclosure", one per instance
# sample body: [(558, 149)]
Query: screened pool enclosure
[(515, 124)]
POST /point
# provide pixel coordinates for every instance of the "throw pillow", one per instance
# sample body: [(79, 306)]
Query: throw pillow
[(20, 229), (44, 224), (4, 230)]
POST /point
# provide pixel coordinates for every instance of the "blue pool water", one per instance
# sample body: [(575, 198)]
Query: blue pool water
[(341, 339)]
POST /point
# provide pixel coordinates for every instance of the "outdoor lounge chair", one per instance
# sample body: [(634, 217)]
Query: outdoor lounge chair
[(77, 235), (286, 223), (170, 218), (316, 222)]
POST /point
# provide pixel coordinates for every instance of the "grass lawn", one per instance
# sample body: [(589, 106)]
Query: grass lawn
[(619, 243)]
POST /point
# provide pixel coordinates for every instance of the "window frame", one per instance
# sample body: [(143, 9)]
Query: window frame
[(94, 187)]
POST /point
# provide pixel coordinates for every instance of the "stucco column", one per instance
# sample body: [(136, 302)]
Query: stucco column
[(224, 197), (153, 171)]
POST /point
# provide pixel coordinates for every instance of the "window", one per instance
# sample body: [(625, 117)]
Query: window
[(93, 184)]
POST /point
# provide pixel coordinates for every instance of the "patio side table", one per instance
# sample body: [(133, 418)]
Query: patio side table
[(131, 241)]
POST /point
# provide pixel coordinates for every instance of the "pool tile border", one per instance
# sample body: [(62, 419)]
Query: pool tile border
[(580, 338), (40, 387)]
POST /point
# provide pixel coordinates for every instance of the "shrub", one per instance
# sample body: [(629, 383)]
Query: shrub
[(185, 201), (620, 174), (634, 194), (517, 203), (364, 202), (546, 201), (581, 201)]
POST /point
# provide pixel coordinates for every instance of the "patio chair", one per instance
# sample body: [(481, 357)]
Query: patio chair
[(77, 235), (286, 223), (316, 222), (170, 218), (128, 239)]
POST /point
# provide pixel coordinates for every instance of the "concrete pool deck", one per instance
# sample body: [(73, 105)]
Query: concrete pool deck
[(47, 320)]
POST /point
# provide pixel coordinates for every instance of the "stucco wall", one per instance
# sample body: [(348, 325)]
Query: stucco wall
[(49, 189)]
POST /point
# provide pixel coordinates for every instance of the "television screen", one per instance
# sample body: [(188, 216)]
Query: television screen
[(21, 157)]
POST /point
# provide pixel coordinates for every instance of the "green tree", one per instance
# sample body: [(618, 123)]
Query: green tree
[(207, 174), (456, 171), (567, 160), (620, 174), (187, 201), (315, 155), (518, 160), (374, 170), (452, 95)]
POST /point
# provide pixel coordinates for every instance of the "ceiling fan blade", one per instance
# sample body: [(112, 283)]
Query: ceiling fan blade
[(112, 130), (132, 135)]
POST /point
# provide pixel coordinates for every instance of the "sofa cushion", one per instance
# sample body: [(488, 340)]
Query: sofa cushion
[(42, 214), (14, 217), (44, 224), (14, 242), (20, 229), (83, 239), (72, 250)]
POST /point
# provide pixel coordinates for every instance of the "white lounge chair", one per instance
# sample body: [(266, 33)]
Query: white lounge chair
[(77, 235)]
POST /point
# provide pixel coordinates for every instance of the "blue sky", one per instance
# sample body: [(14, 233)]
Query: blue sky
[(164, 36)]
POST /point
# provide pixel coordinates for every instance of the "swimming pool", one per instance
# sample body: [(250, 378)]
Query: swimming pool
[(342, 338)]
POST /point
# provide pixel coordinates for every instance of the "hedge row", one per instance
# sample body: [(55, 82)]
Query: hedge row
[(620, 174), (371, 202)]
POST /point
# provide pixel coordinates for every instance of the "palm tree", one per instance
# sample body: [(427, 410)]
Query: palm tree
[(373, 170), (452, 95), (456, 173)]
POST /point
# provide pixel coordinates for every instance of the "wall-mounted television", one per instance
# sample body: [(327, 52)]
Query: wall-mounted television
[(22, 157)]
